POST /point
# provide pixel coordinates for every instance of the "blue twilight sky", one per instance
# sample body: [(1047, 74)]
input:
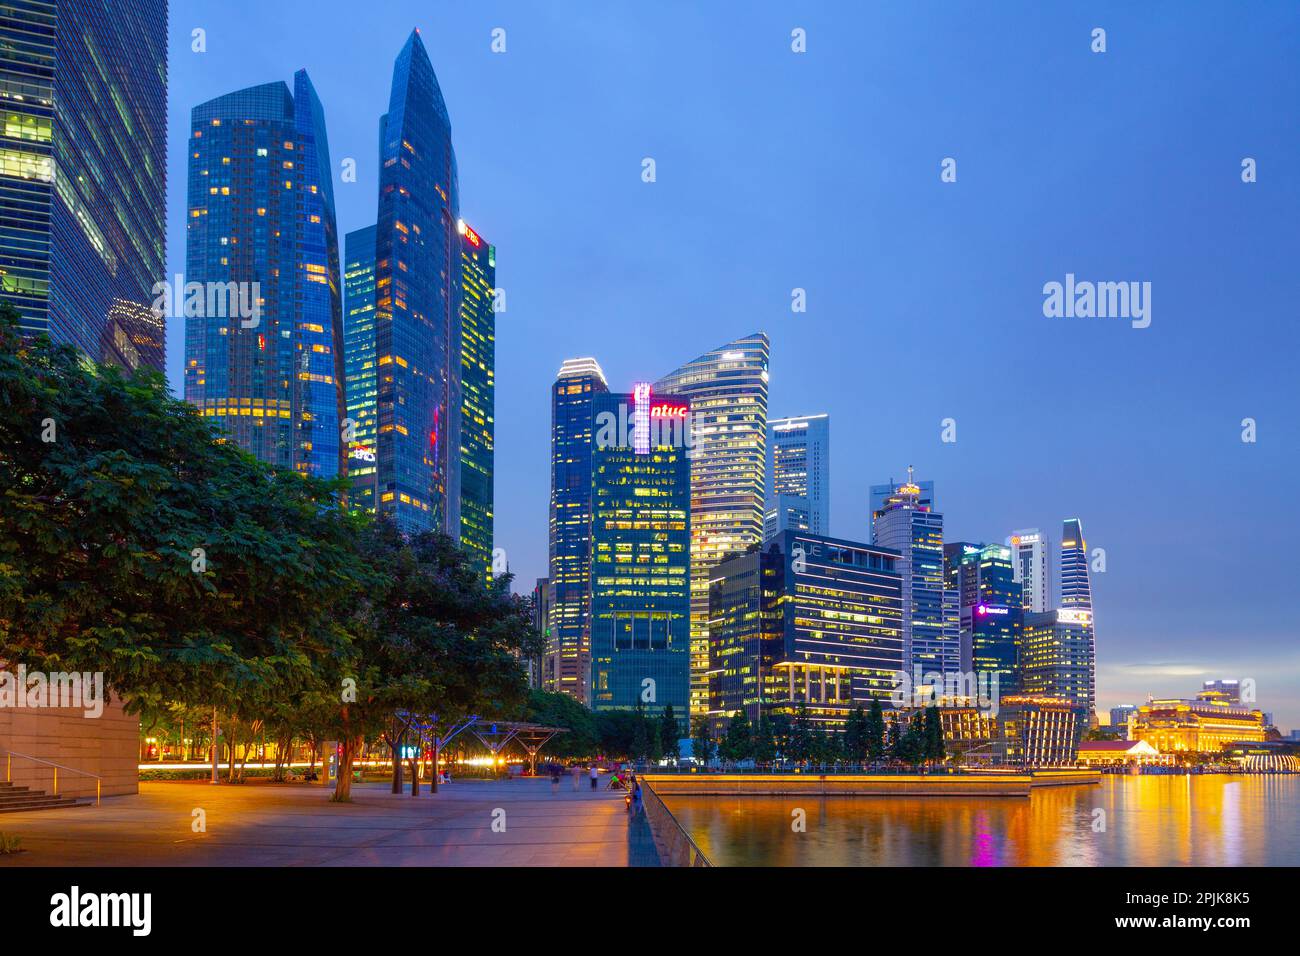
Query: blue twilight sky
[(821, 170)]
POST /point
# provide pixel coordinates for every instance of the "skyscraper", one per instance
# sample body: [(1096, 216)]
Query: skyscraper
[(798, 475), (478, 270), (1076, 588), (640, 556), (360, 391), (1058, 659), (804, 620), (1029, 557), (83, 90), (727, 391), (991, 615), (417, 303), (261, 228), (566, 666), (931, 626)]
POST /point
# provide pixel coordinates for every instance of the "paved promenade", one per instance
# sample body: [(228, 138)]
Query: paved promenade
[(294, 825)]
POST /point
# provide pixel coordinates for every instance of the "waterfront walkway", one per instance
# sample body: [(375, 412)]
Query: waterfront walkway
[(294, 825)]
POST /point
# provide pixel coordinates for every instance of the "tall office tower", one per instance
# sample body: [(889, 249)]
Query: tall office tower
[(83, 173), (566, 668), (805, 619), (879, 493), (478, 276), (542, 624), (1076, 589), (931, 616), (640, 556), (798, 475), (1029, 552), (261, 231), (727, 391), (991, 613), (417, 303), (361, 383), (1228, 691), (1058, 659), (1119, 717)]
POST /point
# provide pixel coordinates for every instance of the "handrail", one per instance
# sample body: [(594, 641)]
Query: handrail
[(9, 771)]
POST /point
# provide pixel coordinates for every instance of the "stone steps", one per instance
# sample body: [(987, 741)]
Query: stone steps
[(16, 799)]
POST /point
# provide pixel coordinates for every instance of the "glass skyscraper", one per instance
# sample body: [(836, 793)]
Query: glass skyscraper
[(260, 230), (83, 91), (810, 620), (640, 558), (727, 391), (931, 625), (360, 389), (566, 665), (798, 475), (478, 271), (991, 612), (1076, 586), (417, 303)]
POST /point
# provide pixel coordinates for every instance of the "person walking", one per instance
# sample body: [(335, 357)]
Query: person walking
[(595, 776), (555, 778)]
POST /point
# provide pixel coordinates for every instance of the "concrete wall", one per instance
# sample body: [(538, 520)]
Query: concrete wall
[(108, 745)]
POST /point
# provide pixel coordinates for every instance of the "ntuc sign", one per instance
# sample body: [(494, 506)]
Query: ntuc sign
[(668, 410)]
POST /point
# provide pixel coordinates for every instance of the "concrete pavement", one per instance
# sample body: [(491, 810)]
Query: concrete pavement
[(257, 824)]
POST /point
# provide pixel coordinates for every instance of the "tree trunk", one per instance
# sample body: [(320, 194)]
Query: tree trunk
[(343, 786), (433, 777), (395, 745)]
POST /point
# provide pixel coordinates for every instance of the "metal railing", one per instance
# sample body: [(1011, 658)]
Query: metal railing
[(9, 771)]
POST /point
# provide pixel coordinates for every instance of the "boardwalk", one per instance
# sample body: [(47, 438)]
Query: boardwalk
[(268, 825)]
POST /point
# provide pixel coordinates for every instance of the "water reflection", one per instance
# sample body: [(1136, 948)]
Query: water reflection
[(1144, 821)]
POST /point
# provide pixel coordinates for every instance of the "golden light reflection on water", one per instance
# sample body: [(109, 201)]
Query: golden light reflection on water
[(1207, 820)]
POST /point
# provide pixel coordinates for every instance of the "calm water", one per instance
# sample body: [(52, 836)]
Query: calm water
[(1149, 821)]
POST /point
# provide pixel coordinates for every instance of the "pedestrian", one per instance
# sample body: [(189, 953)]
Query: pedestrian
[(555, 778), (575, 772), (595, 776), (636, 797)]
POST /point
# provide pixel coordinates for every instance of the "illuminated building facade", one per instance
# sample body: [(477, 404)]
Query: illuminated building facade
[(1205, 725), (1029, 559), (727, 391), (360, 390), (1056, 659), (566, 665), (879, 493), (640, 558), (478, 271), (261, 229), (417, 303), (1034, 731), (798, 475), (1119, 718), (541, 598), (807, 619), (931, 621), (83, 91), (990, 612)]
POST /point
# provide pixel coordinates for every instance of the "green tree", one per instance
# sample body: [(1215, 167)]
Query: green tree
[(764, 741), (782, 730), (701, 740), (934, 748), (561, 710), (801, 737), (738, 743), (136, 541), (875, 731), (855, 735), (670, 733)]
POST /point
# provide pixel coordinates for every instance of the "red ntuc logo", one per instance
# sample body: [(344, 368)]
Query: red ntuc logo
[(668, 410)]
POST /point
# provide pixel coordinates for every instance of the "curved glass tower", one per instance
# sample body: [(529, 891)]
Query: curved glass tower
[(264, 336), (727, 391), (417, 304)]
